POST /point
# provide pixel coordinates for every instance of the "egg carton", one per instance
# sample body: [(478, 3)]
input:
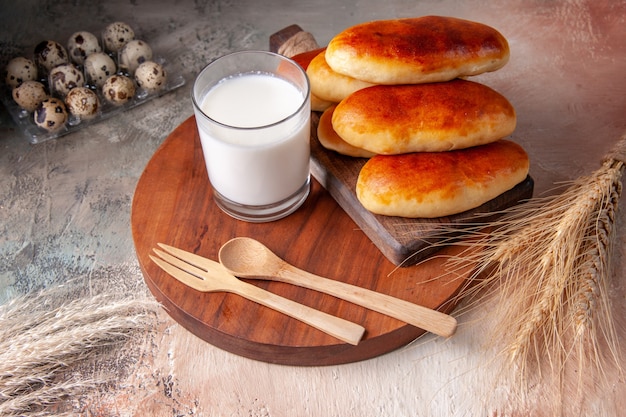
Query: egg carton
[(35, 134)]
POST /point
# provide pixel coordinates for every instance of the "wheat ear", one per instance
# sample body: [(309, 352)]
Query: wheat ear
[(547, 263), (42, 339)]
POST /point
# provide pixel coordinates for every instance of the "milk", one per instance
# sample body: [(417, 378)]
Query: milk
[(251, 100), (258, 151)]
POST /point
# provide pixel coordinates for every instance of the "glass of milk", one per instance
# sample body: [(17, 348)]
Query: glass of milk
[(253, 115)]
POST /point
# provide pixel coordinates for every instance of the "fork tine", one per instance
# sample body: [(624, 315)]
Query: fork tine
[(191, 258), (182, 276), (181, 264)]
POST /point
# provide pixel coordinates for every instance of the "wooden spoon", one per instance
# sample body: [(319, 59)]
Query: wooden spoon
[(249, 258)]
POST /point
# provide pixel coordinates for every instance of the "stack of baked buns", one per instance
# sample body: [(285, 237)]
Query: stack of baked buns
[(397, 92)]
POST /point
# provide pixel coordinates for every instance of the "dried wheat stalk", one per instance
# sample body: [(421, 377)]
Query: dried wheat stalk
[(546, 264), (43, 337)]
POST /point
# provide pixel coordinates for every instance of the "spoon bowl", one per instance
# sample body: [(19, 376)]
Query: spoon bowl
[(248, 258)]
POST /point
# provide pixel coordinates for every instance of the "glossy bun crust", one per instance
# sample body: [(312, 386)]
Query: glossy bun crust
[(331, 140), (429, 185), (423, 117), (304, 60), (417, 50), (330, 85)]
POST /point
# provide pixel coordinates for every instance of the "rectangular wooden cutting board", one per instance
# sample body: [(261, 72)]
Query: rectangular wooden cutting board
[(403, 241)]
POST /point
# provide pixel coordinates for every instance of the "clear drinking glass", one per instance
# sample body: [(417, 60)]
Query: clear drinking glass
[(253, 115)]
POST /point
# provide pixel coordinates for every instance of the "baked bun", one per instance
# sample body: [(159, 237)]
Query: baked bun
[(394, 119), (331, 140), (330, 85), (304, 59), (436, 184), (416, 50)]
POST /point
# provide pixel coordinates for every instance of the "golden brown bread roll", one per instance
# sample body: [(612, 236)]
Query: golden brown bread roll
[(434, 117), (330, 85), (417, 50), (304, 60), (331, 140), (436, 184)]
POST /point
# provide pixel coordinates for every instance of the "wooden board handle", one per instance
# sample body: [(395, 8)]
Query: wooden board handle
[(292, 41)]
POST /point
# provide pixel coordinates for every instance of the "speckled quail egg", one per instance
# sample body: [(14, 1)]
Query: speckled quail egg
[(118, 89), (133, 54), (49, 54), (116, 35), (29, 94), (98, 67), (20, 69), (82, 44), (82, 102), (51, 114), (64, 77), (150, 76)]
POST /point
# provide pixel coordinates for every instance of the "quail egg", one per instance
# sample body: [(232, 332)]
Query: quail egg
[(81, 45), (98, 67), (20, 69), (29, 94), (82, 102), (49, 54), (118, 89), (116, 35), (51, 114), (133, 54), (150, 76), (64, 77)]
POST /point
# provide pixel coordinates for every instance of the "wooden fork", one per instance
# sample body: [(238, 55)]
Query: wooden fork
[(206, 275)]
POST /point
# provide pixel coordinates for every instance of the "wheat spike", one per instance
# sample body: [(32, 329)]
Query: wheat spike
[(42, 339), (546, 263)]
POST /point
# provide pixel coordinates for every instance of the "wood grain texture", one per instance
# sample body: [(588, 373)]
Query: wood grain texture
[(173, 204)]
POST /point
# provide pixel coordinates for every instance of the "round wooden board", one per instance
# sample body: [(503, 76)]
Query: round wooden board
[(173, 204)]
